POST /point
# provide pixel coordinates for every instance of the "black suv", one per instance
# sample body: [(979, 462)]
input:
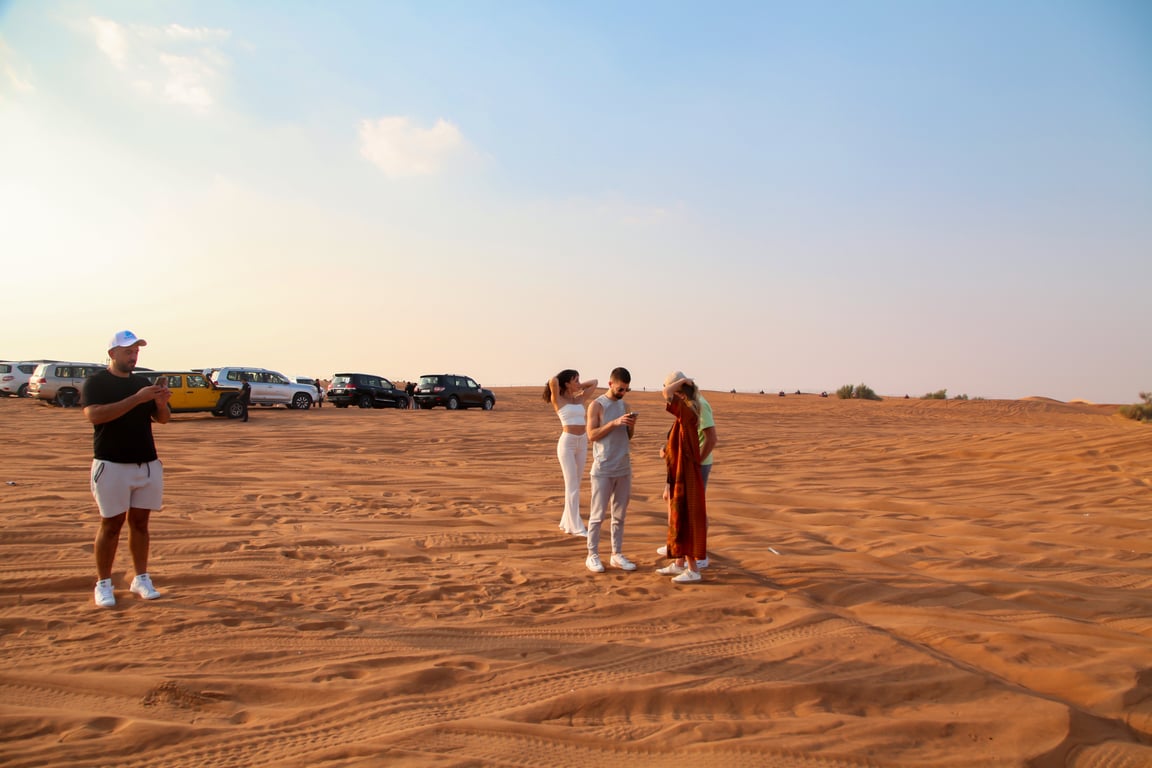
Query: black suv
[(452, 391), (366, 391)]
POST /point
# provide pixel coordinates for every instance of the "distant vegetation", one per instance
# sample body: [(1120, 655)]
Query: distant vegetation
[(1139, 411), (858, 392), (942, 394)]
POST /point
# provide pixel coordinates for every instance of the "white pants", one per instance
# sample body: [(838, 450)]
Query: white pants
[(572, 450)]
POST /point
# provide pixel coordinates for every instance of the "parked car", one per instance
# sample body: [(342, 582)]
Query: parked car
[(366, 391), (14, 378), (60, 383), (452, 391), (268, 387), (193, 392)]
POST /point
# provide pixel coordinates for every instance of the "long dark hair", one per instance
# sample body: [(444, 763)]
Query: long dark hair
[(562, 380)]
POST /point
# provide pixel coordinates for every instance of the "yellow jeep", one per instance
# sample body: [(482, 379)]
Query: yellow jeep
[(192, 392)]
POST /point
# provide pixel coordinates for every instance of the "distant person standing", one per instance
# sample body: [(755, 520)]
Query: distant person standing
[(568, 396), (684, 490), (410, 390), (610, 429), (245, 395), (319, 393), (127, 479)]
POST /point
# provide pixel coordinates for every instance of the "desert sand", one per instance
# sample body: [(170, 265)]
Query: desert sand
[(897, 583)]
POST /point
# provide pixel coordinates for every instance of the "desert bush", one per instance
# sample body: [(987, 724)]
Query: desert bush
[(941, 394), (960, 397), (1139, 411), (858, 392)]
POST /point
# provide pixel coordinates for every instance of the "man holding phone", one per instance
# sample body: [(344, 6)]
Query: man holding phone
[(610, 428), (127, 479)]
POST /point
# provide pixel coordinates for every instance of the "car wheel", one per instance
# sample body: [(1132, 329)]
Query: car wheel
[(23, 391), (301, 401), (488, 403), (402, 403), (66, 398), (341, 405), (234, 409), (365, 401), (453, 403)]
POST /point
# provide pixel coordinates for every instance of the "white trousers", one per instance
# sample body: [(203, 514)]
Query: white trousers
[(572, 450)]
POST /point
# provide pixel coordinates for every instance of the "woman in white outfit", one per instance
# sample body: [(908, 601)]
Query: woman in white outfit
[(569, 396)]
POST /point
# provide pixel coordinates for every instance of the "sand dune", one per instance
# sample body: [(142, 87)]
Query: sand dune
[(958, 583)]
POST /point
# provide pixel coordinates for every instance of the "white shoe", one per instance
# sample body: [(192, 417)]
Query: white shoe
[(142, 585), (621, 562), (687, 577), (662, 551), (593, 564), (105, 595), (671, 569), (702, 563)]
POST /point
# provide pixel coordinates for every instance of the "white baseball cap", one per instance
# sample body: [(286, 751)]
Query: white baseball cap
[(126, 339)]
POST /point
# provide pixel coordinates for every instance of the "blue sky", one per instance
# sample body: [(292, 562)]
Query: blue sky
[(768, 195)]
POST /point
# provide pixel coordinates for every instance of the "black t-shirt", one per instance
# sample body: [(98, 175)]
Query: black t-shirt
[(128, 439)]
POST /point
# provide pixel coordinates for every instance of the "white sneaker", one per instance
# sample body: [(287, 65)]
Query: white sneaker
[(687, 577), (671, 569), (142, 585), (593, 564), (702, 563), (105, 595), (621, 562), (662, 551)]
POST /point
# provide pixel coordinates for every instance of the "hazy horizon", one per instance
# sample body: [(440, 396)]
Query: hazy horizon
[(766, 195)]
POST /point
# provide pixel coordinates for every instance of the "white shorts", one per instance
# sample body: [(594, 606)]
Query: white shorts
[(120, 487)]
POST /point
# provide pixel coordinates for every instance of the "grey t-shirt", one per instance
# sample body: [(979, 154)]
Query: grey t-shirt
[(610, 457)]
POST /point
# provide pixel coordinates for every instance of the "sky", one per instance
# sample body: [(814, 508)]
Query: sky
[(765, 195)]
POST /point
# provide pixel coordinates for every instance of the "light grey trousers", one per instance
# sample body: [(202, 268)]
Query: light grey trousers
[(609, 495)]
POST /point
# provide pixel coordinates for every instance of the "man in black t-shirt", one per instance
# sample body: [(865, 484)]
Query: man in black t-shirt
[(127, 478)]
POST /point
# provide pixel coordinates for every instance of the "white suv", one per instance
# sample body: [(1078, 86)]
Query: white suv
[(268, 387), (14, 378), (61, 383)]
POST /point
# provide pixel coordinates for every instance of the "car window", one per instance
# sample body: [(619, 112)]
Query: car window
[(26, 368), (428, 381), (341, 380), (5, 368), (197, 381), (172, 380), (386, 383), (373, 381), (472, 384), (275, 378)]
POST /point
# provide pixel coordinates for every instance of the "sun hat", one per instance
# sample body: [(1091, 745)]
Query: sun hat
[(126, 339), (674, 376)]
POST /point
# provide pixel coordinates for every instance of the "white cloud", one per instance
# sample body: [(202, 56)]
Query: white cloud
[(399, 147), (175, 64), (8, 68)]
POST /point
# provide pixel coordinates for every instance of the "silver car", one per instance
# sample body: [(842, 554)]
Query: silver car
[(60, 383), (268, 387)]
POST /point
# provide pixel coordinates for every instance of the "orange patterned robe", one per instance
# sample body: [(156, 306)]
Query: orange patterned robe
[(687, 513)]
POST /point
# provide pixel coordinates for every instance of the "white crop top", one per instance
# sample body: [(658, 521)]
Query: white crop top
[(571, 415)]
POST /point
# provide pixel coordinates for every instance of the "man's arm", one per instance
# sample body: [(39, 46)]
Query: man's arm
[(710, 441), (596, 430), (102, 413)]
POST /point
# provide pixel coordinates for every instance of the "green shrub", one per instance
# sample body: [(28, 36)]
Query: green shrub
[(1139, 411), (938, 395), (858, 392), (960, 397)]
